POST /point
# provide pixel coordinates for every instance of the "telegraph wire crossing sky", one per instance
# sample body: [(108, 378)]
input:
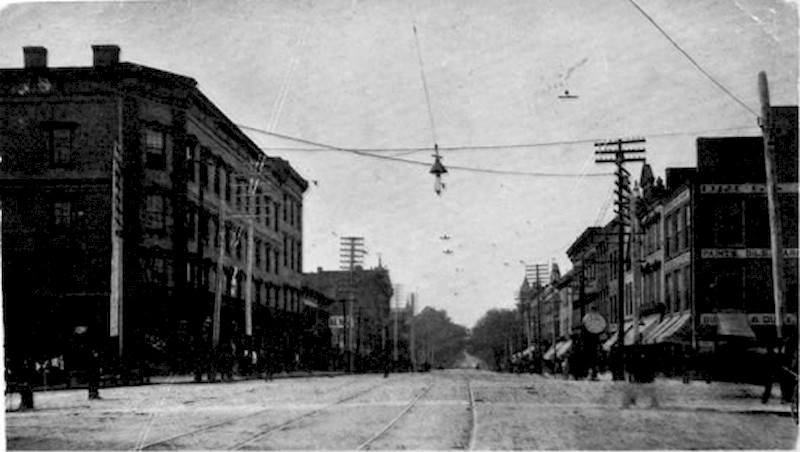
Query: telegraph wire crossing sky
[(342, 91)]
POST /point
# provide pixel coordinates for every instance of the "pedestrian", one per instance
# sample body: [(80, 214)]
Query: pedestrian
[(642, 375), (93, 374), (25, 384), (779, 367), (772, 371)]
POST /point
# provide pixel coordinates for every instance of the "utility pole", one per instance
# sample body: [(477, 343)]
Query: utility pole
[(768, 130), (351, 255), (623, 206), (411, 334), (536, 273), (221, 232)]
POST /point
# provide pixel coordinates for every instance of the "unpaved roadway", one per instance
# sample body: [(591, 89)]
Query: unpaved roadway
[(448, 410)]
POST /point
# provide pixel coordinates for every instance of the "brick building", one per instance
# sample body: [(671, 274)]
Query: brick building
[(367, 315), (120, 184)]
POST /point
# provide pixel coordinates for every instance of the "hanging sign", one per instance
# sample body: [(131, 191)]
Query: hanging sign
[(594, 323)]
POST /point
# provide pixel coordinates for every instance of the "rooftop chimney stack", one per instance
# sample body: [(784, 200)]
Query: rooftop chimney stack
[(105, 55), (35, 57)]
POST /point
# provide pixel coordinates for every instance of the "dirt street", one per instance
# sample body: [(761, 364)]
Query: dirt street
[(455, 409)]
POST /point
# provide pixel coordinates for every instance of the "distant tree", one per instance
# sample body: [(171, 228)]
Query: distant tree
[(438, 341), (495, 336)]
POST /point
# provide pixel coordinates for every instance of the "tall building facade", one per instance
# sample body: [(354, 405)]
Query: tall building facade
[(360, 318), (129, 198)]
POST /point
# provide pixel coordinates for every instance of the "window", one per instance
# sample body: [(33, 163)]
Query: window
[(257, 253), (60, 146), (191, 222), (238, 246), (62, 213), (285, 206), (155, 149), (228, 238), (285, 250), (277, 209), (191, 162), (203, 175), (300, 256), (155, 213), (228, 187), (213, 232), (217, 178), (267, 258), (267, 203)]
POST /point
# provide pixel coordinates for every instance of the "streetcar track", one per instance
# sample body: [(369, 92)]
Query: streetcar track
[(283, 425), (208, 427), (474, 417), (365, 445)]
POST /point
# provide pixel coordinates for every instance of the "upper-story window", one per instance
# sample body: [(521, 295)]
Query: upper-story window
[(217, 177), (155, 149), (62, 213), (155, 213), (61, 147), (60, 141)]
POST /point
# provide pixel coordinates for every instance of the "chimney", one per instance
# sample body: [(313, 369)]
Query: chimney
[(35, 57), (105, 55)]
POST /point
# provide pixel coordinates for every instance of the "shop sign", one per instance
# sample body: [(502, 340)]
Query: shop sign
[(745, 253), (712, 319), (745, 189), (337, 321), (594, 323)]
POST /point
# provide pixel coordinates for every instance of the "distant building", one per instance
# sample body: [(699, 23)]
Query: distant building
[(113, 182), (365, 316)]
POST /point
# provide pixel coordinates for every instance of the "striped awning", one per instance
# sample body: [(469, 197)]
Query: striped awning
[(562, 348), (668, 329), (646, 325), (613, 339)]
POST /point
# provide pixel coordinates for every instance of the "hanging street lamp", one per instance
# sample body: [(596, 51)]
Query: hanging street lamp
[(437, 170)]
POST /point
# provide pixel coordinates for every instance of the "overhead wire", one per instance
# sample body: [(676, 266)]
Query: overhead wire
[(316, 147), (419, 163), (692, 60)]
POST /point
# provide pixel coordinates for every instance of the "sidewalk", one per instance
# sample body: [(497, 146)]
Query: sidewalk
[(697, 395), (184, 379)]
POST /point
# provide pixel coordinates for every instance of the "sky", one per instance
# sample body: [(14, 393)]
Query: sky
[(351, 75)]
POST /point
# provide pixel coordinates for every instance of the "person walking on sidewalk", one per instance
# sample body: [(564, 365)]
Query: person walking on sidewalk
[(777, 370), (642, 374)]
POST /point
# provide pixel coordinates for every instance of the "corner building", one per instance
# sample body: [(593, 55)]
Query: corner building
[(120, 183)]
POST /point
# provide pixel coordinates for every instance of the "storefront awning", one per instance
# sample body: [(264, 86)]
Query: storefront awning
[(646, 324), (660, 328), (678, 331), (613, 339), (734, 324), (548, 355), (562, 348)]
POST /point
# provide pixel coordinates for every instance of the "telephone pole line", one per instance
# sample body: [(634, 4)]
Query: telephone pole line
[(620, 154), (351, 255), (536, 274)]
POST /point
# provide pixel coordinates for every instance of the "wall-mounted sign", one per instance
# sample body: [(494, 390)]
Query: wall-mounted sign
[(337, 321), (744, 253), (754, 319), (744, 189)]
